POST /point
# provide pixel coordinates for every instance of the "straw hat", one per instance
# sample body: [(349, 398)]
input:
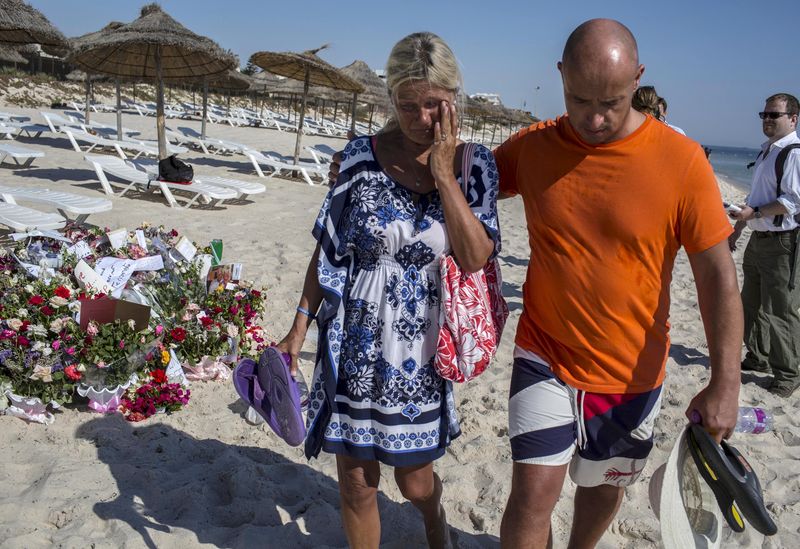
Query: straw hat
[(683, 503)]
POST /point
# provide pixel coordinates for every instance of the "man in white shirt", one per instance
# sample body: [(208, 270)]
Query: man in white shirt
[(771, 292), (662, 112)]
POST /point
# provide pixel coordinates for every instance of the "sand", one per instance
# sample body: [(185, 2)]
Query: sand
[(205, 477)]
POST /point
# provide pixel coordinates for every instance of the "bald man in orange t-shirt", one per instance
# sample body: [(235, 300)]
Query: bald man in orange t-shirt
[(610, 196)]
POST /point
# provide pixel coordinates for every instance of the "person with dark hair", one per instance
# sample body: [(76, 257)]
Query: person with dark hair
[(770, 292), (662, 115), (610, 196)]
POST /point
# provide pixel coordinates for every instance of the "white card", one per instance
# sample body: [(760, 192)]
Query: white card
[(149, 263), (118, 238), (140, 239), (80, 249), (90, 280), (236, 271), (204, 261), (186, 248), (116, 272)]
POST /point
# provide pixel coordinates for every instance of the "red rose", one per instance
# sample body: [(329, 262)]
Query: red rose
[(159, 376), (47, 311), (206, 321), (23, 341), (72, 372), (62, 291), (255, 293), (36, 300), (178, 334)]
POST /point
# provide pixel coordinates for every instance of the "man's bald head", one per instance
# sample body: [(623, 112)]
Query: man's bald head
[(600, 71), (601, 45)]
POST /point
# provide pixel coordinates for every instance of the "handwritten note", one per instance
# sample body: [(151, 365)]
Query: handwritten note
[(89, 280), (140, 239)]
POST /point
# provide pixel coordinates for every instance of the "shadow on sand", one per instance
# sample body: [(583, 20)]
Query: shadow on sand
[(229, 495)]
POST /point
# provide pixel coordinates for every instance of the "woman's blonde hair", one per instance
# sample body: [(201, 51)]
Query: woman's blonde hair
[(421, 56)]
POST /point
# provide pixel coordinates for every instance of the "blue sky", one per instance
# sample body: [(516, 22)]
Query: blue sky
[(715, 62)]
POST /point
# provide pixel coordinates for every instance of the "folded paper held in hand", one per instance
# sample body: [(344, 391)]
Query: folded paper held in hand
[(106, 309)]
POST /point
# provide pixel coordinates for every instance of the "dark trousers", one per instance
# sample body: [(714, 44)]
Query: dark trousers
[(771, 309)]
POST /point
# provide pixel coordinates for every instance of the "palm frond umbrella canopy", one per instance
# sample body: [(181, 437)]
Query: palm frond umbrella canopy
[(154, 47), (22, 24), (309, 69), (229, 80), (10, 55), (375, 90)]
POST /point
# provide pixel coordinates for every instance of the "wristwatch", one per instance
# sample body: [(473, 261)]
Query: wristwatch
[(757, 213)]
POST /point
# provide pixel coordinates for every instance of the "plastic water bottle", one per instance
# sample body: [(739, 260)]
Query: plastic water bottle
[(753, 420), (302, 389)]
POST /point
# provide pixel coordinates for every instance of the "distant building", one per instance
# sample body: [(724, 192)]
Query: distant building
[(491, 98)]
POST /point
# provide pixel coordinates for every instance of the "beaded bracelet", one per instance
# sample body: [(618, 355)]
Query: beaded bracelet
[(306, 312)]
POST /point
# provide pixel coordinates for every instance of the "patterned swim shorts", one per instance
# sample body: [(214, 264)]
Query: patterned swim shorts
[(605, 438)]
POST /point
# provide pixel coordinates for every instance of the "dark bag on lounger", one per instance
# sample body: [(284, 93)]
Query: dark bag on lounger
[(174, 170)]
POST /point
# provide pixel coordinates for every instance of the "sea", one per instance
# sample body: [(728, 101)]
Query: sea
[(731, 163)]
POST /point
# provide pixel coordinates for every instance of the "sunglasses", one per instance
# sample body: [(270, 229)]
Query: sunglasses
[(771, 115)]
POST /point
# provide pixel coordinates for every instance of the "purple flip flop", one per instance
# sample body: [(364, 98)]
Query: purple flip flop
[(269, 388)]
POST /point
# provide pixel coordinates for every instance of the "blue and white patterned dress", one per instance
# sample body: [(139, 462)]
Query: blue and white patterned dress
[(375, 392)]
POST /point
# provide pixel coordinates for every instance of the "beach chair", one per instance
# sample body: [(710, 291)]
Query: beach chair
[(278, 166), (134, 178), (25, 219), (322, 154), (18, 153), (14, 117), (12, 130), (220, 145), (67, 204), (242, 188), (74, 135)]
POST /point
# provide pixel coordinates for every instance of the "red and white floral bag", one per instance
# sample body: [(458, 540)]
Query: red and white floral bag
[(472, 312)]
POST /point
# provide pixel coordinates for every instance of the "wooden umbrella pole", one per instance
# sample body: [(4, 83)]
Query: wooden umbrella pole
[(88, 98), (353, 113), (302, 117), (119, 113), (371, 112), (162, 140), (205, 108), (335, 110)]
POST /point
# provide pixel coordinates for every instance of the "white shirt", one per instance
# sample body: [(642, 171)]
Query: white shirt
[(676, 128), (765, 188)]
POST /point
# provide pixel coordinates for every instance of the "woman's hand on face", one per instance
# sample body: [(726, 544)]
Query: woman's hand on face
[(445, 139)]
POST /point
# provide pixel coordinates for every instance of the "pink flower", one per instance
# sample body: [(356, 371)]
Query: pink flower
[(159, 329), (56, 344), (102, 365), (70, 351), (72, 372), (122, 344), (92, 329)]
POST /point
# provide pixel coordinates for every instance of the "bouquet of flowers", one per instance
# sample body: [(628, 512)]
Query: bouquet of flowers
[(114, 351), (155, 394)]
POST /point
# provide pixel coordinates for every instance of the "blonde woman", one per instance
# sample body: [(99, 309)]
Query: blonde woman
[(373, 286)]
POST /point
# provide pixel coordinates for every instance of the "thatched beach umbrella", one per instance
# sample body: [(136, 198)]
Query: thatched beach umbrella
[(154, 47), (10, 55), (375, 89), (21, 24), (308, 68)]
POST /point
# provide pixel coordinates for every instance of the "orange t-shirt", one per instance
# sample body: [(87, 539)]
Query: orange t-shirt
[(605, 223)]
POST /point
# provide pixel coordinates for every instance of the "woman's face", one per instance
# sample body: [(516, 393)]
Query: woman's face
[(418, 104)]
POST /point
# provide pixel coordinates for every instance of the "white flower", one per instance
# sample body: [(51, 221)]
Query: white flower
[(29, 288), (81, 367), (47, 351), (23, 313), (38, 346), (37, 330), (14, 323), (43, 373), (232, 330), (57, 325), (58, 301), (131, 324)]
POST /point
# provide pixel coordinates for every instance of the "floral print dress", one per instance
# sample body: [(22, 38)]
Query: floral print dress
[(375, 393)]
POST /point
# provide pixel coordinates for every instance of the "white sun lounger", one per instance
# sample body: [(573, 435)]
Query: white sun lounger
[(207, 142), (322, 154), (74, 135), (19, 153), (242, 188), (12, 130), (278, 166), (66, 203), (137, 178), (21, 218)]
